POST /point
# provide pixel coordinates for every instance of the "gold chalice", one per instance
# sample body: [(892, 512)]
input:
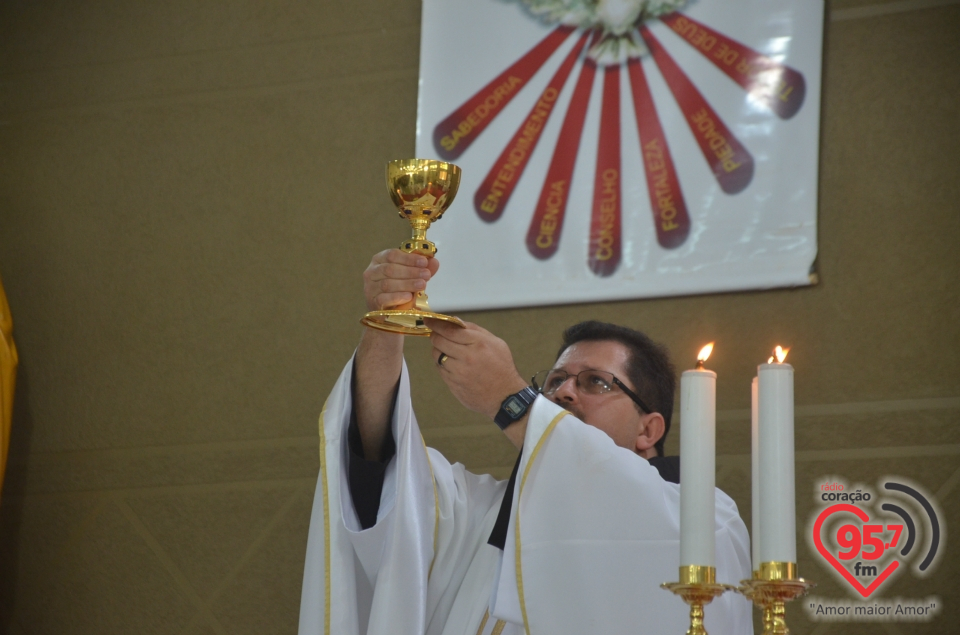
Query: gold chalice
[(422, 190)]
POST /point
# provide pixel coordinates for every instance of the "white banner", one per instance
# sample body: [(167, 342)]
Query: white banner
[(616, 149)]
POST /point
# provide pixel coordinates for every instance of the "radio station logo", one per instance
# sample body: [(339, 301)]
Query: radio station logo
[(870, 536)]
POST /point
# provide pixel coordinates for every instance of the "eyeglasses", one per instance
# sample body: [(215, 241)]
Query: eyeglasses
[(591, 382)]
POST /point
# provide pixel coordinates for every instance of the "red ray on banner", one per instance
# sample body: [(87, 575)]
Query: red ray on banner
[(729, 160), (494, 193), (666, 198), (454, 134), (543, 237), (778, 86), (604, 251)]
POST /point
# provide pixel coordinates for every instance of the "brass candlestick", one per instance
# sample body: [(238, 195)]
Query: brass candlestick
[(775, 584), (422, 190), (697, 587)]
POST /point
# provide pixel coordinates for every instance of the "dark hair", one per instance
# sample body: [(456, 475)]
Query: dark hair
[(649, 367)]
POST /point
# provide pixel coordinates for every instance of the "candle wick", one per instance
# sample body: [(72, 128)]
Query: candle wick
[(699, 364)]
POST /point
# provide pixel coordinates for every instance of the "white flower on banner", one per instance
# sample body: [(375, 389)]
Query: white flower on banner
[(617, 19)]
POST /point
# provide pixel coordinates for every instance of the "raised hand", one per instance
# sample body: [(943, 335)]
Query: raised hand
[(477, 365), (394, 276)]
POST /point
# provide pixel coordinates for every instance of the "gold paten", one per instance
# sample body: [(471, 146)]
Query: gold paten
[(697, 587), (422, 190), (772, 586)]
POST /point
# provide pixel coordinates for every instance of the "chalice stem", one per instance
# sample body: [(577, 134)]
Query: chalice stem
[(418, 243), (418, 238)]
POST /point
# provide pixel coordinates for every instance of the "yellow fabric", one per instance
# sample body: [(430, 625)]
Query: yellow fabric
[(8, 378), (436, 508), (523, 480), (326, 523)]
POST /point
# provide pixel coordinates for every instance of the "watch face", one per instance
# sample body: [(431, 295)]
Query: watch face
[(514, 406)]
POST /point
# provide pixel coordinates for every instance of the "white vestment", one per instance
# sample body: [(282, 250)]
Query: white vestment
[(593, 532)]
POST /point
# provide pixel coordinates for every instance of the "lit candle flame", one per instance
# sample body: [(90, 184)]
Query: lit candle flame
[(779, 354), (704, 354)]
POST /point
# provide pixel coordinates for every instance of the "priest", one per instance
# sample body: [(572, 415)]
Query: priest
[(576, 541)]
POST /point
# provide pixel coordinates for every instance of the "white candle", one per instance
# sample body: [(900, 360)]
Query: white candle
[(778, 538), (698, 417), (754, 477)]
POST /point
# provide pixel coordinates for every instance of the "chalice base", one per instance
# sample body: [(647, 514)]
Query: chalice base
[(405, 321)]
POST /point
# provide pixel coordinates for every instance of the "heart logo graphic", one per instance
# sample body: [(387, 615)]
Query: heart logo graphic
[(829, 557)]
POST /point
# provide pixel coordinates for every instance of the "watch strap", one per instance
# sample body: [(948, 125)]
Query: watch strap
[(514, 407)]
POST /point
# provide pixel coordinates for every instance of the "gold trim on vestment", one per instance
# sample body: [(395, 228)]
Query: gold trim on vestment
[(483, 622), (436, 509), (326, 523), (498, 626), (523, 480)]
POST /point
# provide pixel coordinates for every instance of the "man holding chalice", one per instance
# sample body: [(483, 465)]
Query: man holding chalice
[(578, 539)]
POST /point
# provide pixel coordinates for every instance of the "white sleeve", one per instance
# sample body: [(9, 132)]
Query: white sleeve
[(594, 531), (398, 571)]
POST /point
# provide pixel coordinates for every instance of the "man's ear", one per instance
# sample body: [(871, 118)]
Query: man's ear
[(650, 431)]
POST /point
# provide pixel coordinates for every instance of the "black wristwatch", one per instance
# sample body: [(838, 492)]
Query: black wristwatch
[(514, 407)]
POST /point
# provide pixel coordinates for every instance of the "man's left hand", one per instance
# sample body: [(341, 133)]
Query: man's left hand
[(477, 365)]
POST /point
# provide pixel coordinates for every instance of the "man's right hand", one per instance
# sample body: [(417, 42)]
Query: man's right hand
[(391, 280), (394, 276)]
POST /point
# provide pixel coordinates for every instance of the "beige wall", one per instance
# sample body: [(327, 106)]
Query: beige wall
[(188, 195)]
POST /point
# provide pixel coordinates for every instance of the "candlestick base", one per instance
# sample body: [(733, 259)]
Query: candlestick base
[(775, 584), (697, 587)]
